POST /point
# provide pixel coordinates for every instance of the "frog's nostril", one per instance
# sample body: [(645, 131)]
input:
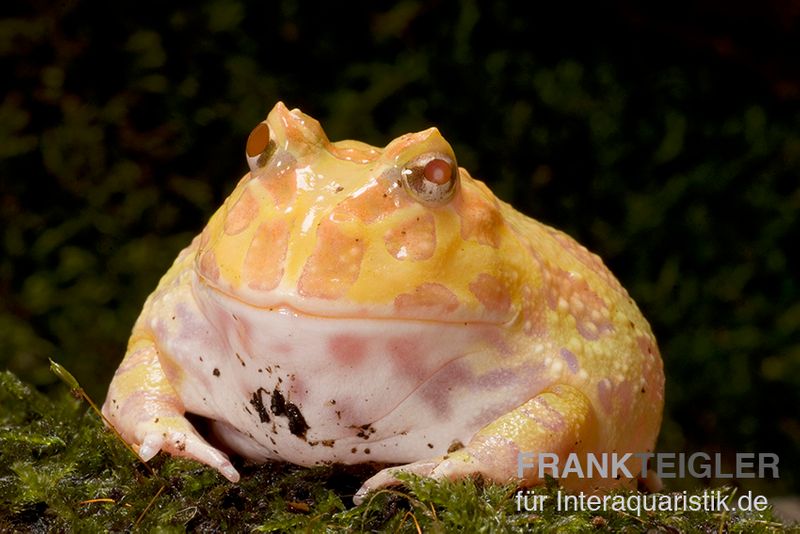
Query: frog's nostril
[(438, 171)]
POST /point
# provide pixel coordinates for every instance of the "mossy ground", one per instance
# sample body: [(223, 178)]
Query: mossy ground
[(63, 471)]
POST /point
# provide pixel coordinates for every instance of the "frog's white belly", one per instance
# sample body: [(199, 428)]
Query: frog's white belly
[(364, 389)]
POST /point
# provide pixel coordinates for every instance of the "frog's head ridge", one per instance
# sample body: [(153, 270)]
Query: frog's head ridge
[(344, 228)]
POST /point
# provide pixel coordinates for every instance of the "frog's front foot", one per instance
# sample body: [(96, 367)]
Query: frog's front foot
[(146, 411), (177, 436), (558, 420)]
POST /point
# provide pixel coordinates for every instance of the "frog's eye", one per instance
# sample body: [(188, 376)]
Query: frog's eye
[(431, 177), (260, 147)]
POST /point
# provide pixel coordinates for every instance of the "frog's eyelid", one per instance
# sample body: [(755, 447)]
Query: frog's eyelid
[(431, 177), (260, 147)]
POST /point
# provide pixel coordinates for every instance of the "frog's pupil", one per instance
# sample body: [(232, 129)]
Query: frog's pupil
[(258, 140), (437, 171)]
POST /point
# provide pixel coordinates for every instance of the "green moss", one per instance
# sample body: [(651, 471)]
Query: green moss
[(63, 471)]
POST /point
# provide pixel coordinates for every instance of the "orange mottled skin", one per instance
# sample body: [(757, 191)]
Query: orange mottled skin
[(351, 303)]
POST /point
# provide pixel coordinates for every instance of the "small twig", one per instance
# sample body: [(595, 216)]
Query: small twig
[(413, 518), (92, 501), (75, 388), (141, 516)]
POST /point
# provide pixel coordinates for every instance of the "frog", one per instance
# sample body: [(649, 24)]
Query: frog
[(349, 303)]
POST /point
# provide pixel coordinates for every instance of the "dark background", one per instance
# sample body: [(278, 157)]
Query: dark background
[(666, 138)]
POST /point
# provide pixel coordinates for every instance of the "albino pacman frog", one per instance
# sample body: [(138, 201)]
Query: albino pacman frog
[(349, 303)]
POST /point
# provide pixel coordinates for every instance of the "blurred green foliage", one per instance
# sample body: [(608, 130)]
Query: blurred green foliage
[(667, 139)]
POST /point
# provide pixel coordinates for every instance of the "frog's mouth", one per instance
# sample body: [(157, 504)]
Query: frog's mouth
[(404, 309)]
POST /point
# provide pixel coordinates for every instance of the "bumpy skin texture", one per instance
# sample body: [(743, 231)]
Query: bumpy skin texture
[(349, 303)]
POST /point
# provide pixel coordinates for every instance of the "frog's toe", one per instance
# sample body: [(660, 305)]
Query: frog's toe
[(189, 444), (150, 447), (387, 477)]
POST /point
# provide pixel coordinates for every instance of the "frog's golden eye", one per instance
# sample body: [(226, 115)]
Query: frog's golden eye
[(260, 147), (431, 177)]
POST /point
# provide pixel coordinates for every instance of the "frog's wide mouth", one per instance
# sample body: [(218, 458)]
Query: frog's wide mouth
[(294, 305)]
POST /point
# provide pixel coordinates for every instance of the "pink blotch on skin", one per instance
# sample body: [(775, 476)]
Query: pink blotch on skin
[(647, 346), (545, 415), (280, 181), (241, 214), (571, 360), (499, 378), (407, 356), (617, 398), (414, 239), (374, 203), (209, 267), (480, 219), (604, 394), (297, 390), (303, 132), (347, 350), (487, 414), (497, 338), (437, 391), (186, 325), (264, 262), (623, 398), (430, 297), (143, 405), (281, 348), (334, 266), (491, 293), (495, 454), (205, 237)]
